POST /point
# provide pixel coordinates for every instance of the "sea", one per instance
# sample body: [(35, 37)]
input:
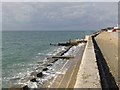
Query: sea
[(22, 50)]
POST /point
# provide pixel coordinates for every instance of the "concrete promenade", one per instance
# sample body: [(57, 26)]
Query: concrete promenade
[(88, 74), (99, 67), (108, 44)]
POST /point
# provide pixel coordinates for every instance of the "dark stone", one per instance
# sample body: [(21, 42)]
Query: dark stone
[(33, 73), (40, 74), (45, 69), (49, 65), (33, 80), (26, 87), (54, 60)]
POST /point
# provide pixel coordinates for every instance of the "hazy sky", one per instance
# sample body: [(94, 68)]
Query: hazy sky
[(58, 16)]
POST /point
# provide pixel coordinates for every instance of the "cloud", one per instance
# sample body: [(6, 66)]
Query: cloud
[(60, 0), (58, 16), (0, 18)]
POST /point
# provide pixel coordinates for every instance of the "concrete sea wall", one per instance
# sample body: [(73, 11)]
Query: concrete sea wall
[(88, 74), (99, 67), (108, 44)]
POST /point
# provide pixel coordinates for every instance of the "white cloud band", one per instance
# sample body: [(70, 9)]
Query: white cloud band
[(60, 0)]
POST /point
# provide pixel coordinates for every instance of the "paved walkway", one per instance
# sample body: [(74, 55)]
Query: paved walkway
[(88, 74), (108, 44)]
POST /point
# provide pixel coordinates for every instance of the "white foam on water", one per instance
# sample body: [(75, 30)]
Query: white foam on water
[(51, 53), (73, 50), (32, 85), (50, 72), (56, 51), (21, 75), (41, 54)]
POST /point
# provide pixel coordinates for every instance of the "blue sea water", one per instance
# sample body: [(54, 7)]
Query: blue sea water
[(21, 50)]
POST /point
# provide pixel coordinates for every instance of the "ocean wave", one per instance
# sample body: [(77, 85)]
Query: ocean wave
[(27, 71), (73, 50), (52, 70), (53, 52)]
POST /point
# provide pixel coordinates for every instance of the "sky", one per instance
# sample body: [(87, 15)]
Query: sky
[(56, 16)]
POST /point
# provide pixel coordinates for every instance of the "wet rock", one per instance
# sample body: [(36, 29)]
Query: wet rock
[(33, 80), (26, 79), (26, 87), (33, 73), (45, 69), (15, 87), (49, 65), (54, 61), (40, 74), (39, 67)]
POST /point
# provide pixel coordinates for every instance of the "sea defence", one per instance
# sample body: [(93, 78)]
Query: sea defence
[(88, 74), (99, 67), (64, 77), (108, 42), (95, 65)]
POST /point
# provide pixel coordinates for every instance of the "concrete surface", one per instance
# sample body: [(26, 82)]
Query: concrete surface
[(67, 79), (108, 44), (88, 74)]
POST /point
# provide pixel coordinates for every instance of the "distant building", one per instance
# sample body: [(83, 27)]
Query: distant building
[(113, 29), (117, 28)]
